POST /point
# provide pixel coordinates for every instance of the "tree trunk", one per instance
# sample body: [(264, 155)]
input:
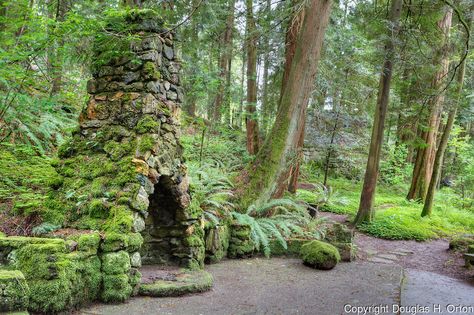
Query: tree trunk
[(55, 56), (268, 174), (438, 162), (366, 208), (191, 97), (239, 115), (290, 45), (251, 108), (425, 156), (224, 64), (331, 144)]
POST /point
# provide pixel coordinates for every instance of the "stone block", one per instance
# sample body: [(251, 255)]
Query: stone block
[(14, 291)]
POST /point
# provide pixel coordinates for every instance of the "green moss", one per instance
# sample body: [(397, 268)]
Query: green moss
[(116, 288), (115, 263), (14, 291), (150, 72), (114, 241), (134, 279), (126, 173), (88, 243), (461, 243), (19, 241), (26, 179), (135, 241), (320, 255), (98, 208), (293, 247), (146, 143), (339, 233), (240, 249), (217, 243), (41, 261), (146, 124), (120, 220), (50, 296), (187, 282), (117, 150)]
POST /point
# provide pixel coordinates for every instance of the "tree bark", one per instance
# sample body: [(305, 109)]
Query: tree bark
[(55, 56), (224, 64), (266, 111), (251, 108), (425, 156), (439, 157), (366, 208), (268, 174), (290, 44)]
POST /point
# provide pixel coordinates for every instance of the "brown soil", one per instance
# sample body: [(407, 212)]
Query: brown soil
[(433, 256)]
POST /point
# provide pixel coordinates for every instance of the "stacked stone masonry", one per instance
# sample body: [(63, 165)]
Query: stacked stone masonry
[(131, 127)]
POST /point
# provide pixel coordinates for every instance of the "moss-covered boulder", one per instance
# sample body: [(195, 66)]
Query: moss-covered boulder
[(14, 291), (320, 255)]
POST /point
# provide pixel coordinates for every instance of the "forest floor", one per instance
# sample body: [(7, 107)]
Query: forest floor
[(432, 255)]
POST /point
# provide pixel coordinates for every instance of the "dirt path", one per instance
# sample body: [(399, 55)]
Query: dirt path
[(432, 256), (274, 286)]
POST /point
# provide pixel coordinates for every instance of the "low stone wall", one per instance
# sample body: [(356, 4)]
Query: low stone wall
[(54, 275)]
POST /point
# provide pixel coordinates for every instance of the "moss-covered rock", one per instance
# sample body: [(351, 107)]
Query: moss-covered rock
[(88, 243), (116, 288), (339, 233), (114, 242), (115, 263), (461, 242), (347, 251), (134, 278), (293, 247), (14, 291), (41, 261), (185, 283), (320, 255), (50, 296), (217, 243), (240, 242)]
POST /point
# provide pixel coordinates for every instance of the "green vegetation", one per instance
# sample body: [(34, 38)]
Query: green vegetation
[(15, 291), (398, 218), (320, 255)]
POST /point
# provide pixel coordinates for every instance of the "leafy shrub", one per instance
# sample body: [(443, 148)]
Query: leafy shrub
[(278, 219)]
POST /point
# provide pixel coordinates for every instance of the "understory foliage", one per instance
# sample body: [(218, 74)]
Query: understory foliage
[(212, 174)]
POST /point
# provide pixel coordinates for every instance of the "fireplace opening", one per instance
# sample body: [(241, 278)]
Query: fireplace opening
[(162, 227)]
